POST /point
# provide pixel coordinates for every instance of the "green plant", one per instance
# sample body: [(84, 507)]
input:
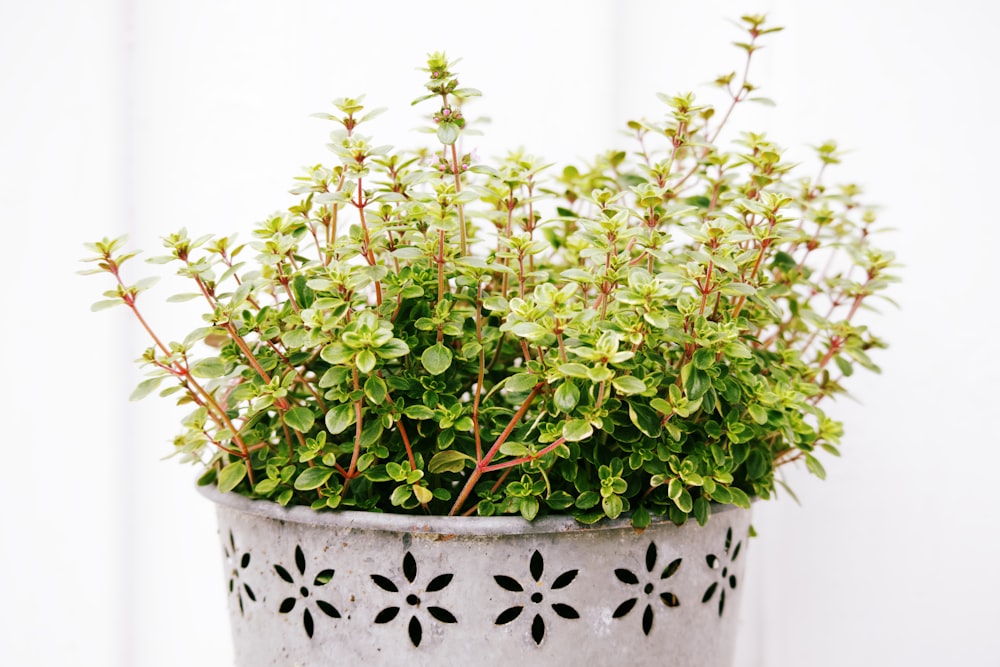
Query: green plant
[(648, 333)]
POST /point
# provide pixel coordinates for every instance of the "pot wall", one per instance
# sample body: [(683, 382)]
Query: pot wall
[(313, 589)]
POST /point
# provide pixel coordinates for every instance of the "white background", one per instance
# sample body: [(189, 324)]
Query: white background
[(140, 116)]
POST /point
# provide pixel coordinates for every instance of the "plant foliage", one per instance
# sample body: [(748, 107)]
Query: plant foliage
[(422, 331)]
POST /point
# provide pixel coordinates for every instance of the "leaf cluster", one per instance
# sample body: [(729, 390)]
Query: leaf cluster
[(422, 331)]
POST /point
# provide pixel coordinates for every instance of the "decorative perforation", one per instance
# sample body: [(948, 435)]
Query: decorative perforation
[(304, 593), (236, 564), (651, 587), (722, 565), (413, 600), (536, 568)]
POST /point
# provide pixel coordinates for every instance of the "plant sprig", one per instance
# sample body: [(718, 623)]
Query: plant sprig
[(647, 334)]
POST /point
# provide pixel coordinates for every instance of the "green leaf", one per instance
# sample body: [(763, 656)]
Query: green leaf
[(423, 494), (145, 388), (575, 430), (300, 418), (448, 461), (559, 500), (566, 396), (702, 510), (629, 384), (704, 358), (645, 419), (375, 389), (231, 475), (418, 412), (211, 367), (339, 417), (521, 382), (757, 413), (815, 467), (640, 517), (312, 478), (436, 359), (529, 508), (365, 361), (588, 499), (613, 506), (756, 464), (573, 370)]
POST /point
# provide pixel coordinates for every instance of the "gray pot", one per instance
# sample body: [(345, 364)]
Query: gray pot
[(312, 589)]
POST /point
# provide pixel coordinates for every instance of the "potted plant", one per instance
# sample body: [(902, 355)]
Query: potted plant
[(448, 406)]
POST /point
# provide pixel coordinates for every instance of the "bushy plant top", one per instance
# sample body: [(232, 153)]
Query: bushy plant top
[(424, 331)]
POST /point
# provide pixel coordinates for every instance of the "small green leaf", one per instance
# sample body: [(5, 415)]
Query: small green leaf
[(375, 389), (575, 430), (365, 361), (418, 412), (436, 359), (300, 418), (645, 419), (629, 384), (211, 367), (613, 506), (566, 396), (145, 388), (704, 358), (588, 499), (231, 475), (423, 494), (529, 508), (312, 478), (702, 510), (448, 461), (815, 467), (640, 517), (521, 382), (339, 417)]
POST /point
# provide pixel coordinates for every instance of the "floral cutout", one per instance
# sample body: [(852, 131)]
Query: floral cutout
[(304, 593), (536, 567), (626, 576), (727, 579), (412, 599), (236, 586)]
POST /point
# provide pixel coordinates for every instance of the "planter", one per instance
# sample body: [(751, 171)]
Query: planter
[(313, 589)]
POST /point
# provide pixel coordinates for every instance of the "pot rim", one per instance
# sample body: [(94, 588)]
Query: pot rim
[(430, 525)]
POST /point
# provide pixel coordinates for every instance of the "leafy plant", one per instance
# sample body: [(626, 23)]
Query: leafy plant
[(425, 332)]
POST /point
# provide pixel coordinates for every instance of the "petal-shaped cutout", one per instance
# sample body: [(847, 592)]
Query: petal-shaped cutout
[(564, 579), (323, 578), (416, 632), (537, 566), (245, 561), (239, 598), (670, 599), (307, 622), (287, 605), (409, 568), (709, 592), (732, 581), (439, 582), (647, 620), (249, 591), (387, 614), (327, 609), (384, 583), (300, 559), (729, 539), (713, 561), (671, 569), (565, 610), (538, 628), (736, 551), (283, 573), (232, 585), (650, 557), (508, 615), (722, 600), (626, 576), (442, 615), (508, 583), (624, 607), (232, 542)]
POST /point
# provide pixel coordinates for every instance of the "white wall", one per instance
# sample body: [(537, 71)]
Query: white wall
[(144, 116)]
